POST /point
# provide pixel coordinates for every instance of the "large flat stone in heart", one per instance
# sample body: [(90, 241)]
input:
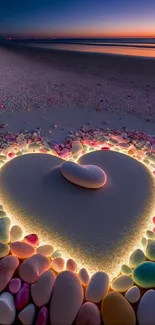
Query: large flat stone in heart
[(96, 227)]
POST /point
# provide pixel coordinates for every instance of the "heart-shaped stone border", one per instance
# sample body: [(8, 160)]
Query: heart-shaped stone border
[(142, 151)]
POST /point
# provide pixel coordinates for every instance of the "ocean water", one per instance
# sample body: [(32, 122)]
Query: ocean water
[(142, 47)]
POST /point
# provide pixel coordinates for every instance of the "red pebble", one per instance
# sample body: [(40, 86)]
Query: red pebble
[(105, 148), (23, 296), (32, 239), (154, 172), (153, 220), (15, 285), (11, 155), (42, 316)]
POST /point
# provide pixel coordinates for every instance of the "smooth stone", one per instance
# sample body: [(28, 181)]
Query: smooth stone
[(76, 147), (84, 276), (98, 287), (8, 266), (136, 258), (33, 268), (4, 250), (5, 223), (16, 233), (146, 309), (26, 316), (88, 314), (56, 254), (32, 239), (42, 316), (133, 295), (34, 146), (15, 285), (125, 269), (87, 176), (150, 157), (144, 242), (150, 250), (2, 157), (144, 275), (71, 265), (150, 234), (122, 283), (58, 264), (23, 296), (45, 250), (7, 309), (2, 214), (67, 298), (22, 250), (116, 310), (41, 290)]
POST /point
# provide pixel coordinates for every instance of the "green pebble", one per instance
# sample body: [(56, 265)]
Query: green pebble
[(136, 258), (4, 250), (144, 275), (125, 269), (2, 161), (56, 254), (34, 146), (150, 234), (144, 242), (2, 157), (46, 148), (5, 224), (146, 161), (19, 153), (2, 214)]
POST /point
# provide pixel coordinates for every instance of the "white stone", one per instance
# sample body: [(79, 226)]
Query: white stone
[(146, 309), (26, 316), (16, 233), (122, 283), (67, 298), (97, 287), (87, 176), (133, 294), (7, 309)]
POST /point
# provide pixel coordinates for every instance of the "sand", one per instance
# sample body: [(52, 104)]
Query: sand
[(40, 88), (98, 228)]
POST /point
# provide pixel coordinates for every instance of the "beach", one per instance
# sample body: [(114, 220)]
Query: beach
[(55, 84), (77, 160)]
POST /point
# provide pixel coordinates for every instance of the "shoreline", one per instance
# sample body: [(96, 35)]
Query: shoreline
[(38, 80)]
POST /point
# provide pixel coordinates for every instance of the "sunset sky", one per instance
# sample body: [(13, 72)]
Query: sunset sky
[(77, 18)]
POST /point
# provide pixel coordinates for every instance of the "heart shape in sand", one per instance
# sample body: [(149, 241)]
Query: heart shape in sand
[(98, 228)]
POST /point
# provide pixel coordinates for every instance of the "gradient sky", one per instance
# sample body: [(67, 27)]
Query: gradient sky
[(77, 18)]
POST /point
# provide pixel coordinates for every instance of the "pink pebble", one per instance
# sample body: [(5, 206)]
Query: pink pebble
[(153, 220), (23, 296), (32, 239), (42, 316), (15, 285)]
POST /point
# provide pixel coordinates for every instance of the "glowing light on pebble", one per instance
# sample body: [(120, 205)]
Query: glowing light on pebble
[(89, 149)]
